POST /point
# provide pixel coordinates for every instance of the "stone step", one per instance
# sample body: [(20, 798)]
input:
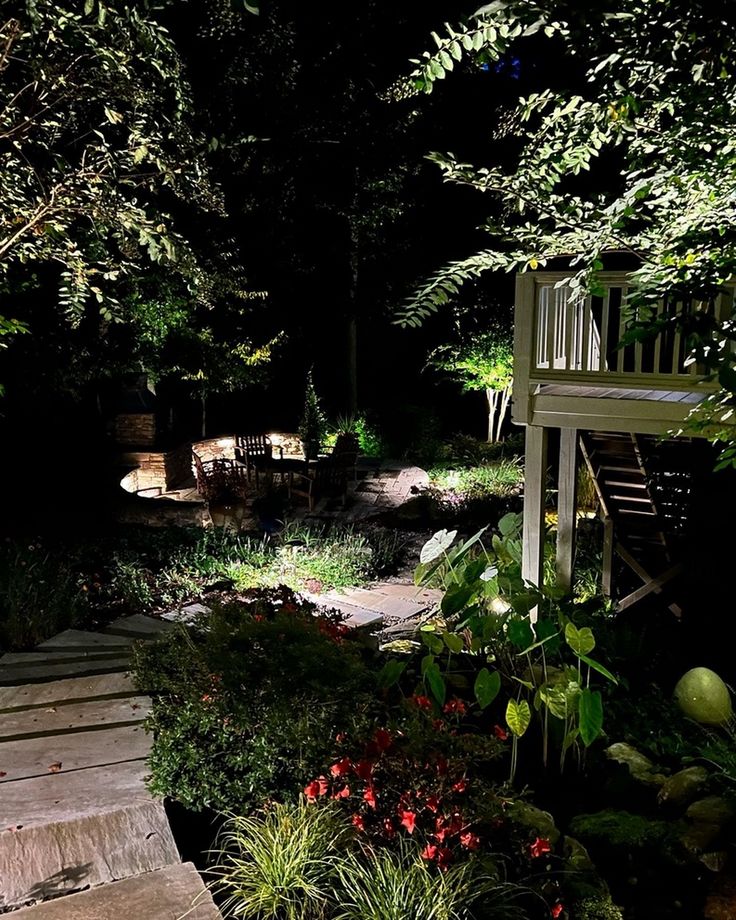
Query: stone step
[(50, 859), (167, 894), (57, 798), (51, 670), (59, 691), (376, 601), (424, 596), (73, 717), (13, 659), (82, 640), (355, 617), (27, 757), (138, 626)]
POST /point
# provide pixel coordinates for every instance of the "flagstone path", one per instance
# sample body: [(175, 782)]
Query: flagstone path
[(74, 809), (80, 835)]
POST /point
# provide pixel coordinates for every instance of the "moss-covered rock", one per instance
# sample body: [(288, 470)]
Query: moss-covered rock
[(598, 908), (679, 790), (623, 829)]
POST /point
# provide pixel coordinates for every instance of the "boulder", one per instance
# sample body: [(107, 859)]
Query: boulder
[(641, 768), (679, 790), (541, 822)]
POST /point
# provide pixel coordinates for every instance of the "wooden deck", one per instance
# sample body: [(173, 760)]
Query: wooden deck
[(608, 408)]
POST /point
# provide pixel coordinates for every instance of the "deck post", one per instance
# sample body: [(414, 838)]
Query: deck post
[(535, 490), (607, 581), (566, 507)]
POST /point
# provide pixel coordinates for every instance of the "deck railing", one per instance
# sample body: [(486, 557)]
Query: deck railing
[(561, 339)]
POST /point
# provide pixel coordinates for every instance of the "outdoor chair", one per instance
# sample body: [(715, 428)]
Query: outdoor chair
[(326, 478), (255, 453), (345, 453), (219, 478)]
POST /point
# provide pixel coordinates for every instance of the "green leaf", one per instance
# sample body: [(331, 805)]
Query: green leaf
[(453, 642), (518, 716), (555, 699), (598, 667), (474, 570), (390, 673), (447, 61), (432, 641), (456, 51), (591, 715), (509, 524), (438, 544), (89, 5), (427, 662), (581, 641), (456, 597), (487, 686), (519, 632), (435, 682)]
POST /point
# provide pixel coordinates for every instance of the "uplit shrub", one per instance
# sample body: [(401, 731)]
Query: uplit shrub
[(249, 704)]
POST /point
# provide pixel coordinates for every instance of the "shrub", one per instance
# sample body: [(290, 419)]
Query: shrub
[(250, 705), (40, 595), (279, 864), (385, 885)]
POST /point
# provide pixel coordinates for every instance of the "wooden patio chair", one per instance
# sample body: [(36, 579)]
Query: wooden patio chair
[(219, 478), (255, 453), (326, 478), (345, 453)]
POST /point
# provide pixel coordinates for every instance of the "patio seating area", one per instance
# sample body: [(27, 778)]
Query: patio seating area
[(230, 474)]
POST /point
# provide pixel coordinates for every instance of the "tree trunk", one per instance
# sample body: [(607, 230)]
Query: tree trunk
[(505, 399), (352, 312), (492, 397), (203, 400)]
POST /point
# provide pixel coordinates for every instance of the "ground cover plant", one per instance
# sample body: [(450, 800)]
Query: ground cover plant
[(46, 586)]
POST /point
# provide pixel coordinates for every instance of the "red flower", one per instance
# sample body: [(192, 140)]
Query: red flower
[(430, 851), (369, 796), (341, 767), (258, 617), (444, 857), (382, 739), (316, 788), (432, 802), (359, 822), (408, 820), (539, 847), (500, 733), (557, 910), (460, 786), (454, 706), (388, 827), (340, 737), (422, 702), (207, 698), (342, 793), (364, 769), (469, 840)]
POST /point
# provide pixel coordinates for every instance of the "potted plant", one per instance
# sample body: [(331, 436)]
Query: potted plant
[(346, 435), (313, 425)]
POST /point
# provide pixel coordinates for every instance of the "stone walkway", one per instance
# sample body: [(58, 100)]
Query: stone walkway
[(80, 836), (74, 810)]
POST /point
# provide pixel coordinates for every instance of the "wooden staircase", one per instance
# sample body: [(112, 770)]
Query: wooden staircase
[(644, 489)]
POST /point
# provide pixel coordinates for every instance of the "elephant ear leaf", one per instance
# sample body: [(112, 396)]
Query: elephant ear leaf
[(436, 545), (591, 715), (581, 641), (518, 716), (487, 686)]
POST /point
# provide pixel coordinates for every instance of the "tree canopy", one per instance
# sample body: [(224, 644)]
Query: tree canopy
[(631, 148)]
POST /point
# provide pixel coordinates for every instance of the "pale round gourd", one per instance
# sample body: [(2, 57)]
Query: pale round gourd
[(702, 696)]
